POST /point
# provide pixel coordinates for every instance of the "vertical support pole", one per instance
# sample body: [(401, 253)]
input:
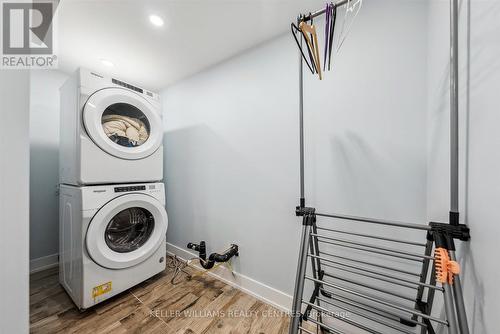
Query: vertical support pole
[(459, 300), (450, 309), (301, 273), (454, 159), (445, 243), (454, 177), (301, 123)]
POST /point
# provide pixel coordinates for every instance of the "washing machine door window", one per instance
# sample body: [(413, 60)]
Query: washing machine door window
[(123, 123), (129, 230), (126, 231)]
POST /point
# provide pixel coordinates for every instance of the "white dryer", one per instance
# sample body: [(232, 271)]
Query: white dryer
[(110, 238), (110, 131)]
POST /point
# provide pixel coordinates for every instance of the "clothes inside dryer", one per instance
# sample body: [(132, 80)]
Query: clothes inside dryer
[(125, 125), (129, 229)]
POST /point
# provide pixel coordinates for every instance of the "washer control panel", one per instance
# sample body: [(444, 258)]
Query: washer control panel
[(129, 188)]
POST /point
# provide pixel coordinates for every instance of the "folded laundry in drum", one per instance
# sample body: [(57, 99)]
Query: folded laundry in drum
[(124, 130)]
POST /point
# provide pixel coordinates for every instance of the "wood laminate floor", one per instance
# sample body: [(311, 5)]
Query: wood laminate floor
[(201, 305)]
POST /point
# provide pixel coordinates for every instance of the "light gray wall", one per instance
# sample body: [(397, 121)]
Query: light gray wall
[(479, 155), (231, 141), (44, 162), (14, 201), (483, 270)]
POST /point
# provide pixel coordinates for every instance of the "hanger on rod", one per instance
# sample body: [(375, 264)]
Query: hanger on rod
[(309, 34), (310, 62), (312, 43), (351, 11), (330, 20), (327, 33)]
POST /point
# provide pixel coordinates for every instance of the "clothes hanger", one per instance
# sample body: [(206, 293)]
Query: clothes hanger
[(310, 46), (327, 33), (309, 63), (330, 20), (333, 20), (353, 6), (312, 42)]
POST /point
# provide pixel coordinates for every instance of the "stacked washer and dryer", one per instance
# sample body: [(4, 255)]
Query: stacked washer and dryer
[(112, 218)]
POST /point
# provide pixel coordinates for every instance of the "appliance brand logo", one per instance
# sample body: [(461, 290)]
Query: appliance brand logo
[(28, 35)]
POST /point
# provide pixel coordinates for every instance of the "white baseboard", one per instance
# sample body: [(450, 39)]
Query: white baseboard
[(43, 263), (248, 285)]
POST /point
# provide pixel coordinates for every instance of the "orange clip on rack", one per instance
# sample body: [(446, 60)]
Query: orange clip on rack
[(445, 268)]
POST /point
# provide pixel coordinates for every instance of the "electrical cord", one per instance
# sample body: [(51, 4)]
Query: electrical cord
[(178, 265)]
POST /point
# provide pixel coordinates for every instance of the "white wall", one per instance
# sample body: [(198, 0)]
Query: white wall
[(14, 201), (483, 197), (231, 141), (479, 159), (44, 166), (481, 267)]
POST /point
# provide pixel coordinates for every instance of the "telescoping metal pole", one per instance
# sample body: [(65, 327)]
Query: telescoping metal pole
[(459, 299), (454, 157), (301, 123), (306, 228), (301, 99), (454, 213)]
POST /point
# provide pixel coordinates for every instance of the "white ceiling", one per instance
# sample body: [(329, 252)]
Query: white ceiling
[(196, 34)]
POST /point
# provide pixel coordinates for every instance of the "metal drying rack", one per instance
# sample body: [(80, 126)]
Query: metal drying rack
[(360, 274)]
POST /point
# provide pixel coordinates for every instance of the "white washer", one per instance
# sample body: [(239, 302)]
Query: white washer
[(110, 239), (91, 154)]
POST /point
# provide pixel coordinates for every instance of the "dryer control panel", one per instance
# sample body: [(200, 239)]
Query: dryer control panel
[(95, 81)]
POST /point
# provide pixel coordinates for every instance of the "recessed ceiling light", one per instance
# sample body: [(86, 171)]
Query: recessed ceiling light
[(107, 63), (156, 20)]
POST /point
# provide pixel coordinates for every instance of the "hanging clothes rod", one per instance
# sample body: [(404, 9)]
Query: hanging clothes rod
[(371, 246), (369, 287), (368, 316), (408, 242), (378, 311), (377, 221), (320, 12), (366, 272), (372, 264), (371, 251), (341, 318), (378, 300)]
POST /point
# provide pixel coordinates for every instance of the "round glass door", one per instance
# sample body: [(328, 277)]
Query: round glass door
[(129, 230), (126, 231), (123, 123)]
